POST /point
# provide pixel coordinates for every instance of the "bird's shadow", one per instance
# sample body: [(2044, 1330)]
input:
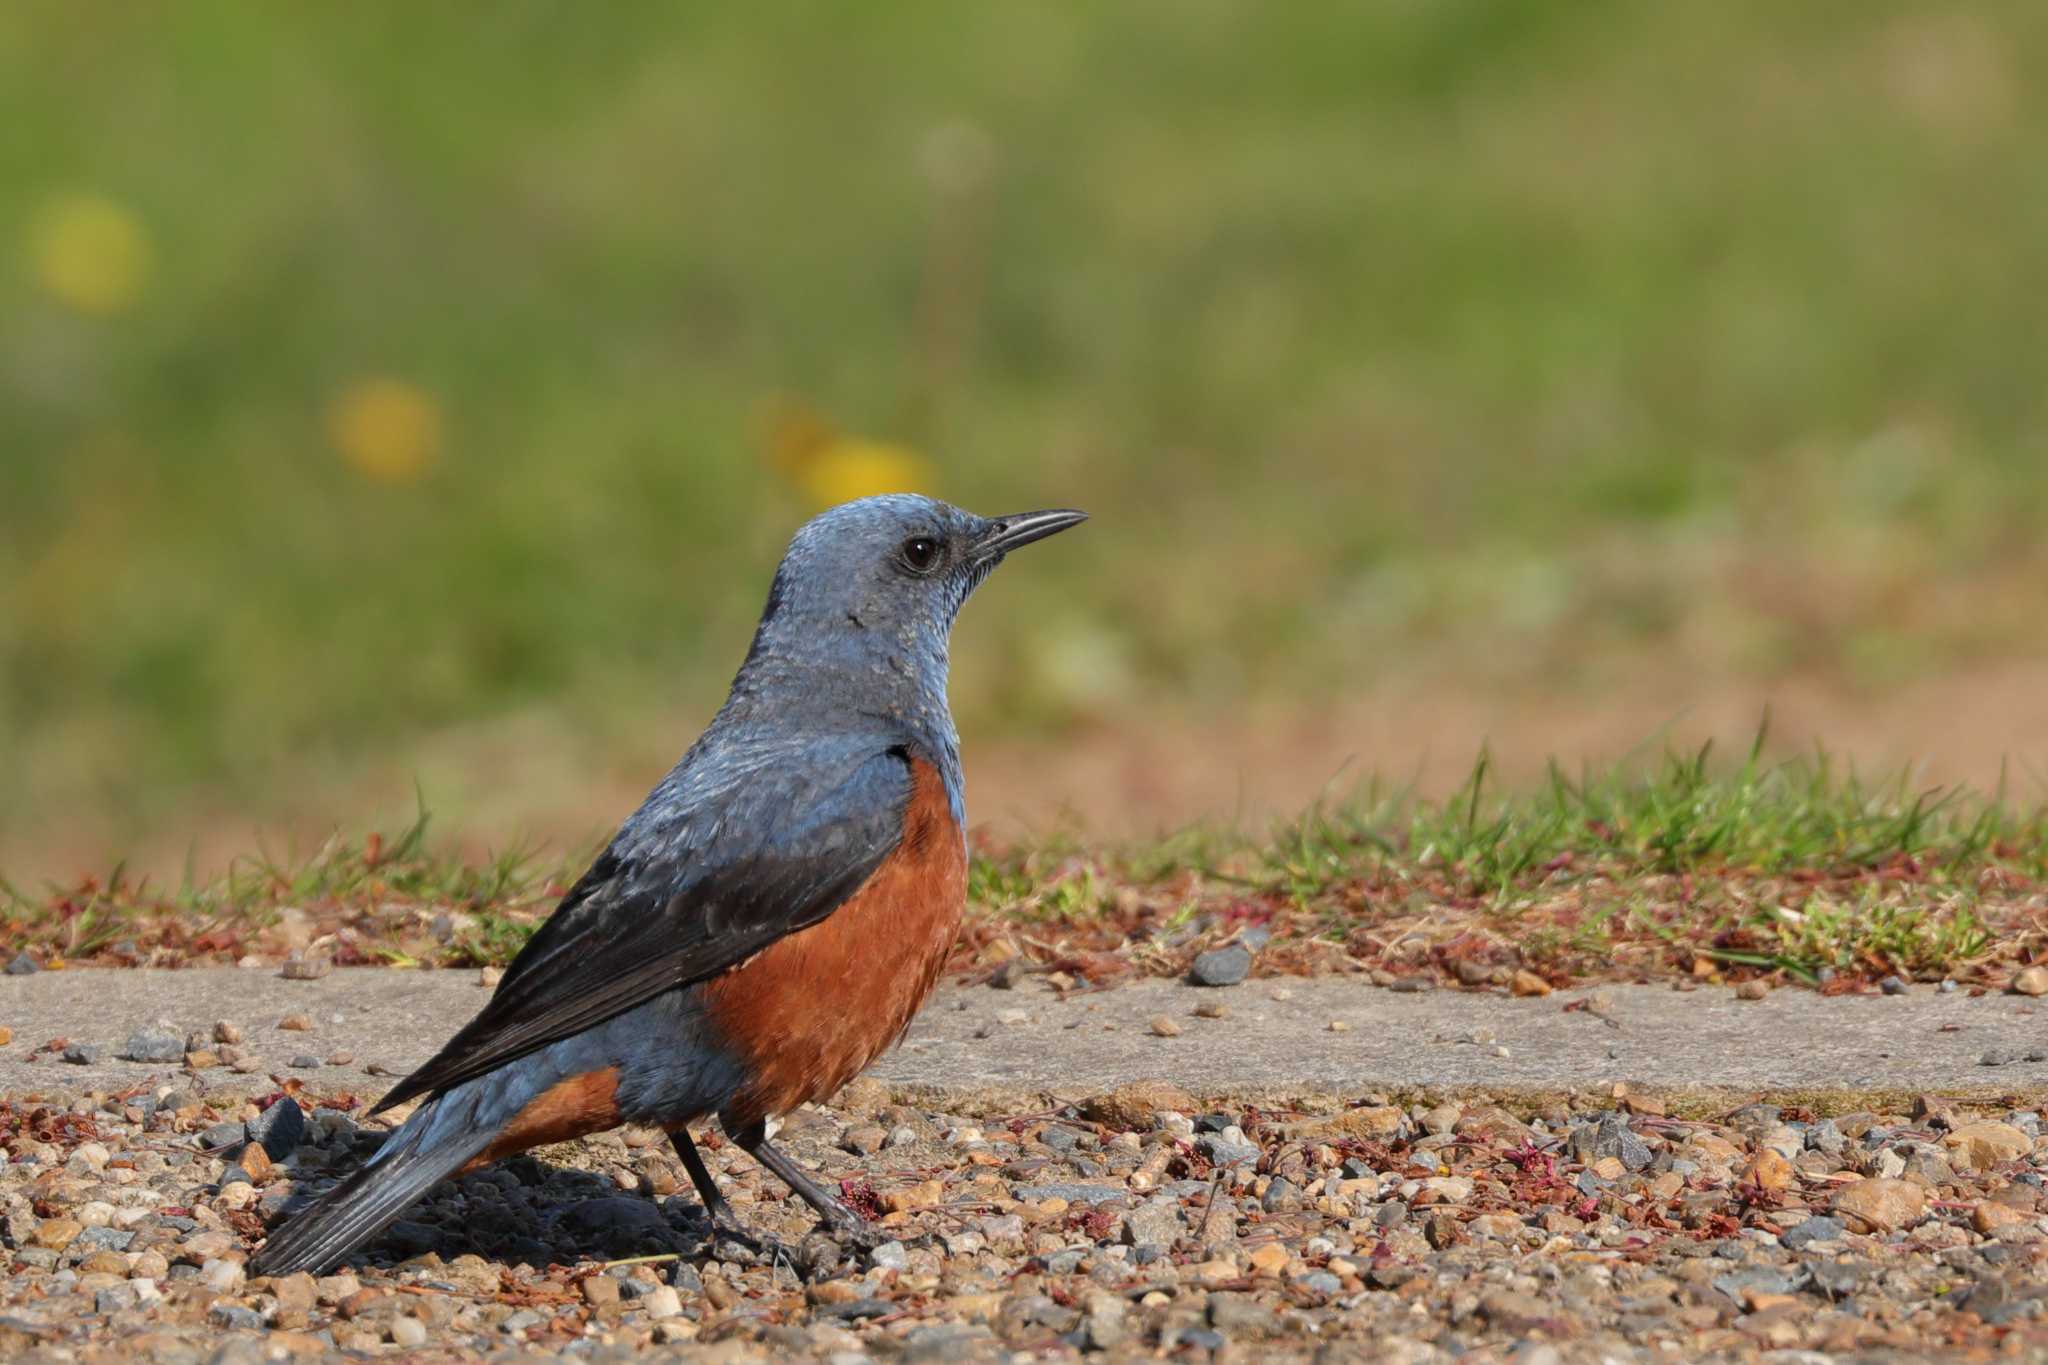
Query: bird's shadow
[(525, 1211)]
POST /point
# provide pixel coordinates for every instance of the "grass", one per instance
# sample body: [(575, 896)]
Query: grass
[(1686, 867), (1487, 339)]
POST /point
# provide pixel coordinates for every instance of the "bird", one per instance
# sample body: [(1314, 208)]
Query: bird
[(762, 927)]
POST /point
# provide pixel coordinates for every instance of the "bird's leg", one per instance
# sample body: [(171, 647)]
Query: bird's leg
[(848, 1227), (724, 1222), (715, 1206)]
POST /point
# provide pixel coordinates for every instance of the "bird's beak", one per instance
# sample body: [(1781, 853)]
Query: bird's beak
[(1004, 534)]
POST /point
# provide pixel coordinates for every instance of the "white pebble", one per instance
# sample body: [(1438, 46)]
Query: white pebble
[(222, 1276)]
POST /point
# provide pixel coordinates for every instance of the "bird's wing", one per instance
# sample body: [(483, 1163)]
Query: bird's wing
[(728, 855)]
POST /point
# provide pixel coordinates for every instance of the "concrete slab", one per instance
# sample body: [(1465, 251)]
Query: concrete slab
[(1277, 1037)]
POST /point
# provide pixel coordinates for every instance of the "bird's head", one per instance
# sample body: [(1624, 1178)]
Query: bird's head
[(867, 591)]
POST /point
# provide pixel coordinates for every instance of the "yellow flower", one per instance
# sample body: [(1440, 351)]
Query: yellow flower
[(845, 468), (89, 253), (829, 468), (387, 429)]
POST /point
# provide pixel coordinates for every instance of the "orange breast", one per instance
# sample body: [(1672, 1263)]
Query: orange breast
[(810, 1011)]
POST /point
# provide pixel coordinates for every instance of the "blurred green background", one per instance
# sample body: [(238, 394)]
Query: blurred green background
[(375, 374)]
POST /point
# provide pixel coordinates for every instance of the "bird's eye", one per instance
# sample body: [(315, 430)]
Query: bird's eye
[(920, 553)]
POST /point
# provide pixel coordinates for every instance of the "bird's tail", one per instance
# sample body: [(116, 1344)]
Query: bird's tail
[(433, 1144)]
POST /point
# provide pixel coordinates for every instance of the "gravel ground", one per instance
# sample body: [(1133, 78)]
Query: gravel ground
[(1132, 1223)]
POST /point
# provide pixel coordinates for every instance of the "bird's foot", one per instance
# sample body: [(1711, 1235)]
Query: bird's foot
[(855, 1233), (731, 1240)]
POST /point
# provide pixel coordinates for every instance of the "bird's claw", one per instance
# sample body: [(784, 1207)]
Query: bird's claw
[(856, 1234), (730, 1240), (835, 1243)]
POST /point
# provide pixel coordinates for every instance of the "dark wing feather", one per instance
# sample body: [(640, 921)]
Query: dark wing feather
[(711, 871)]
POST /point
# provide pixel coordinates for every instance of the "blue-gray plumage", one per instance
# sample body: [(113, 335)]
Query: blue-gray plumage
[(769, 919)]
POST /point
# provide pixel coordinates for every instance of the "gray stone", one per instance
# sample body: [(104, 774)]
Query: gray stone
[(235, 1316), (1106, 1326), (1611, 1136), (280, 1128), (153, 1045), (1820, 1228), (1837, 1278), (1072, 1193), (1157, 1222), (1999, 1300), (1038, 1310), (1281, 1196), (1225, 966), (890, 1256), (222, 1136), (944, 1341), (84, 1054), (114, 1298), (1757, 1280), (21, 964), (106, 1239), (1825, 1137), (1060, 1138), (1225, 1153), (1241, 1314)]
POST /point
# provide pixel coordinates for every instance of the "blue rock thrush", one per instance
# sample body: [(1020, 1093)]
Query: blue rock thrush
[(768, 921)]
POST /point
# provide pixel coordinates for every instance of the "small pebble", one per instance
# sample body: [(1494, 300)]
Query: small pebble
[(1225, 966), (1164, 1027)]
